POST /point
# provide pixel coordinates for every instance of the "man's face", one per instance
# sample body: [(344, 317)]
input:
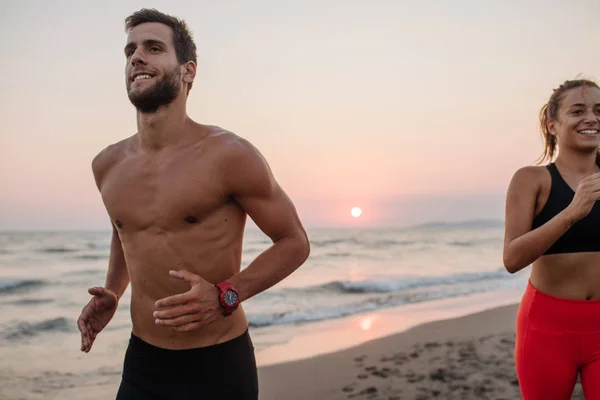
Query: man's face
[(153, 74)]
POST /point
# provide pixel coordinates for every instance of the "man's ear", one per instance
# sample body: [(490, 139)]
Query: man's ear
[(189, 73)]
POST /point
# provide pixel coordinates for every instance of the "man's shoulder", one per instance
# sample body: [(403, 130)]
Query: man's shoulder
[(229, 144), (242, 164), (109, 156)]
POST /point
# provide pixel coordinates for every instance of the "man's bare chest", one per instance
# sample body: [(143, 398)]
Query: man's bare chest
[(142, 195)]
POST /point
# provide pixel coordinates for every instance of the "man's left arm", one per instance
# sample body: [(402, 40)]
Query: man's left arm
[(254, 187)]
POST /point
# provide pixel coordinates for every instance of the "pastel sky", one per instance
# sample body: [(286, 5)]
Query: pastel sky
[(414, 111)]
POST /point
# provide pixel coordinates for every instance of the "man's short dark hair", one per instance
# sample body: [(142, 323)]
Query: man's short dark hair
[(185, 48)]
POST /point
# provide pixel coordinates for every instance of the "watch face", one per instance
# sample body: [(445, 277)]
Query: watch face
[(230, 297)]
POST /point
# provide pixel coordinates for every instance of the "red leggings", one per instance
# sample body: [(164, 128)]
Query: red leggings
[(557, 339)]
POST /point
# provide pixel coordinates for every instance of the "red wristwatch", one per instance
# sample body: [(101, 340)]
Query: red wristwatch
[(228, 297)]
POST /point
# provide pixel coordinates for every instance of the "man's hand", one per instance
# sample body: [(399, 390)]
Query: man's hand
[(191, 310), (96, 315)]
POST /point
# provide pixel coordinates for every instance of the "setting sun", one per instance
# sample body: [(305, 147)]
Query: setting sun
[(356, 211)]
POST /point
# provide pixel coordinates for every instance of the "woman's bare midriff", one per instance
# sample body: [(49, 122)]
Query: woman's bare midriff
[(574, 276)]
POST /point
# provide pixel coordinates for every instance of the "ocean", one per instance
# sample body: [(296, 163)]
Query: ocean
[(44, 278)]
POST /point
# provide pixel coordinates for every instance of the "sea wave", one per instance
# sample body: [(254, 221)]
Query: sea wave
[(30, 302), (257, 320), (395, 284), (85, 272), (91, 257), (378, 244), (19, 285), (344, 298), (364, 242), (329, 242), (52, 250), (336, 255), (98, 245), (461, 243), (24, 329)]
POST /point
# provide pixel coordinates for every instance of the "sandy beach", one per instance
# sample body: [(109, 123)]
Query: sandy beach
[(470, 357)]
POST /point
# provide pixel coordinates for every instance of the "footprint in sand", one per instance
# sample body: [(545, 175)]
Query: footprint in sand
[(349, 388), (432, 345)]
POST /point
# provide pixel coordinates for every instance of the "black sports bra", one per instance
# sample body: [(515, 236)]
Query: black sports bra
[(584, 235)]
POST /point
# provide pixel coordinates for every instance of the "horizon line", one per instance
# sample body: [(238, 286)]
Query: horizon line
[(252, 227)]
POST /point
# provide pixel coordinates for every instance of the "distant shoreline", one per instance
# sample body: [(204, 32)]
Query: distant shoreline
[(484, 222)]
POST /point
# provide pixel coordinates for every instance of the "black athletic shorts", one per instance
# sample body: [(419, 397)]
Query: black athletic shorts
[(223, 371)]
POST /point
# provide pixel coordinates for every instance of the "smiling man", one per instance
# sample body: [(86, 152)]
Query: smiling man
[(178, 194)]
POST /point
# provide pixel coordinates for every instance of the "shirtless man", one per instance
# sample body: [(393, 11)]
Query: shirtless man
[(178, 194)]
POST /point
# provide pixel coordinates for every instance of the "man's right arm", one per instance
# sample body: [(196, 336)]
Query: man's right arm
[(102, 306), (105, 300), (117, 276)]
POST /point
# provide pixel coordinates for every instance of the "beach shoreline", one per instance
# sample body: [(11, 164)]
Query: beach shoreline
[(457, 348), (303, 341)]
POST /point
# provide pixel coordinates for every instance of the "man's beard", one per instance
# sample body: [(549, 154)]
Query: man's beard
[(162, 93)]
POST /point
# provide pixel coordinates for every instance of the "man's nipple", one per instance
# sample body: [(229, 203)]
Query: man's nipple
[(190, 219)]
